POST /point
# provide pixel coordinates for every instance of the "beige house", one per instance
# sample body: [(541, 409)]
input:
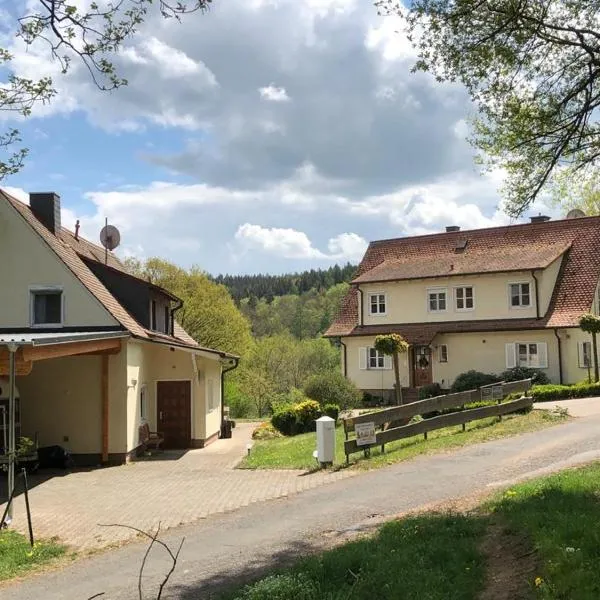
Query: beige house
[(98, 351), (486, 299)]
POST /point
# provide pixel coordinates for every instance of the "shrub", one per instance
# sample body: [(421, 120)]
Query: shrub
[(265, 431), (370, 400), (240, 405), (471, 380), (333, 388), (286, 421), (332, 410), (306, 414), (281, 587), (430, 391), (519, 373), (547, 393)]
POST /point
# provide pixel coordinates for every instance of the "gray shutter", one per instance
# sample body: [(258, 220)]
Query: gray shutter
[(362, 358), (542, 349), (387, 362), (511, 356)]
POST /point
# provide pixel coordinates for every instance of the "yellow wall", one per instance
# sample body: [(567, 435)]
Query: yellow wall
[(407, 301), (62, 397), (572, 372), (30, 261), (211, 372)]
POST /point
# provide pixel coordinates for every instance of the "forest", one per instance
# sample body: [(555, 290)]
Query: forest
[(274, 323)]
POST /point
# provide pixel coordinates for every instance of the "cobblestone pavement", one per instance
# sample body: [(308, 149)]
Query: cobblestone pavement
[(171, 488)]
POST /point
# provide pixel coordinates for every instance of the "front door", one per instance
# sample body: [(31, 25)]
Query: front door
[(422, 366), (173, 407)]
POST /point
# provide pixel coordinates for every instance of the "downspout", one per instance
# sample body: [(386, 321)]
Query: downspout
[(560, 365), (236, 362), (537, 298), (173, 311), (344, 355)]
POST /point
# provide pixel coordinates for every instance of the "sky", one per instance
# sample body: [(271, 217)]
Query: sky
[(262, 136)]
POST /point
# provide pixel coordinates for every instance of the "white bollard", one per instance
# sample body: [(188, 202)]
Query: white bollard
[(325, 440)]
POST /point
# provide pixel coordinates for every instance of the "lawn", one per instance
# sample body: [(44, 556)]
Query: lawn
[(17, 556), (296, 452), (549, 549)]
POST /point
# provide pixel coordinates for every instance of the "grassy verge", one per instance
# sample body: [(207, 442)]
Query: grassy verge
[(296, 452), (550, 550), (17, 557)]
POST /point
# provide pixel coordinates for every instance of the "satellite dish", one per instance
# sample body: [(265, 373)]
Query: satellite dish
[(110, 237), (575, 213)]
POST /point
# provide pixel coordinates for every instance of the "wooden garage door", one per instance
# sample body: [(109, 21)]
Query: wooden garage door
[(173, 406)]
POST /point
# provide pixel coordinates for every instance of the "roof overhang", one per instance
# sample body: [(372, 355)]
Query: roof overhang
[(197, 350)]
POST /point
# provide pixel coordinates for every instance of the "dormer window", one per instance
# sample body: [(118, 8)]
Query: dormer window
[(46, 306), (520, 295), (377, 304)]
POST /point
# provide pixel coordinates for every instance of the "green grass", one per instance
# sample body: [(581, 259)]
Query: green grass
[(421, 558), (296, 452), (560, 515), (17, 556), (437, 556)]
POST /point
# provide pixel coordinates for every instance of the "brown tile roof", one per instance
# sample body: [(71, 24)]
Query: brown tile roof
[(578, 239), (70, 251), (469, 262)]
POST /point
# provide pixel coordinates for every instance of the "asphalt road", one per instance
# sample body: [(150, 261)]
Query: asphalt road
[(241, 544)]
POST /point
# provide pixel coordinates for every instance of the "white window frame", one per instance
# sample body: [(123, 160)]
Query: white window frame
[(465, 309), (581, 353), (378, 313), (437, 290), (441, 357), (143, 402), (37, 289), (520, 306), (541, 353)]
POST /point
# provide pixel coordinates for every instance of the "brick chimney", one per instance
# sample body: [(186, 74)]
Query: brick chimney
[(46, 207)]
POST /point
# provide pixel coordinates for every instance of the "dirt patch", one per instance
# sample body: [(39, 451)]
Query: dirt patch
[(511, 565)]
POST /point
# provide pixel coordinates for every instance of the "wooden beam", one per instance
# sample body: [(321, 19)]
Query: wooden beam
[(22, 366), (105, 409), (70, 349)]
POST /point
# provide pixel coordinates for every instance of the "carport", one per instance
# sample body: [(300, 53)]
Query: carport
[(19, 350)]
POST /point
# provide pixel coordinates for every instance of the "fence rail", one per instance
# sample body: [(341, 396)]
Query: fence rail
[(383, 418)]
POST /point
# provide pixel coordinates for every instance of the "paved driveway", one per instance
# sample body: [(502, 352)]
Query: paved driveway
[(174, 488), (577, 407)]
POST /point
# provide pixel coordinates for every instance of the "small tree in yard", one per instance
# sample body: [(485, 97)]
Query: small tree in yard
[(591, 324), (392, 345)]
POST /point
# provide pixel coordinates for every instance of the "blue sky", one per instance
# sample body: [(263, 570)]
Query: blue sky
[(264, 136)]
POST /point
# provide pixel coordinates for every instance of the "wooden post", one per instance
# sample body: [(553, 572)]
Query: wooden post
[(464, 425), (105, 411)]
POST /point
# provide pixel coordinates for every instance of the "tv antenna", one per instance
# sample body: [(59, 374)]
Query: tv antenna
[(110, 238)]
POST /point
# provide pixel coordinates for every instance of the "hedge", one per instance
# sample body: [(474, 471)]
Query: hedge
[(547, 393), (301, 417)]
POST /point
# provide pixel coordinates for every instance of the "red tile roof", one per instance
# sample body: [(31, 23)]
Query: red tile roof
[(71, 251), (497, 249)]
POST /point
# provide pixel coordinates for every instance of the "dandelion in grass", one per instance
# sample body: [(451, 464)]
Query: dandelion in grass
[(538, 581)]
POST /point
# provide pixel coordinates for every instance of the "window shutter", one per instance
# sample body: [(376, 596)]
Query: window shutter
[(387, 362), (511, 356), (542, 348), (580, 354), (362, 358)]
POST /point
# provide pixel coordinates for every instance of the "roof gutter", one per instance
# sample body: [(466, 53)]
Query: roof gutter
[(173, 311), (360, 314), (236, 362), (537, 299), (345, 356), (560, 363)]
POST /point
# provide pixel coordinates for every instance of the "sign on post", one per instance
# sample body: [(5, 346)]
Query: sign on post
[(365, 434), (497, 392)]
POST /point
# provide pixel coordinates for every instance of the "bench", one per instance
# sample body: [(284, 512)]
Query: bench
[(150, 438)]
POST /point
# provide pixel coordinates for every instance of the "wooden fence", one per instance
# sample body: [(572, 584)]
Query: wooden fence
[(387, 419)]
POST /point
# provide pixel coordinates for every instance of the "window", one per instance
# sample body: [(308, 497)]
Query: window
[(377, 304), (376, 359), (153, 315), (211, 400), (464, 298), (369, 358), (585, 354), (527, 354), (47, 307), (167, 320), (143, 403), (436, 300), (443, 353), (520, 296)]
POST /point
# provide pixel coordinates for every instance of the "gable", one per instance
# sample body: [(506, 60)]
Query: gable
[(29, 261)]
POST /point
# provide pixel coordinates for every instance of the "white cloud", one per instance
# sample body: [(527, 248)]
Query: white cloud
[(274, 94), (291, 243)]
